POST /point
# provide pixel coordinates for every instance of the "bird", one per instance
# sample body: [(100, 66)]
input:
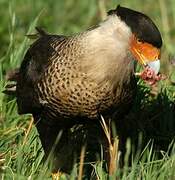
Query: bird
[(69, 82)]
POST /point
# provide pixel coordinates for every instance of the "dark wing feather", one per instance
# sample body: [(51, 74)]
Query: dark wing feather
[(33, 65)]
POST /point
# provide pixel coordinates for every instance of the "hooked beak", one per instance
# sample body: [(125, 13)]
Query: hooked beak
[(146, 54), (155, 65)]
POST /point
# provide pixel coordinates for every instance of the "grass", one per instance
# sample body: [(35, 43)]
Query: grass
[(152, 115)]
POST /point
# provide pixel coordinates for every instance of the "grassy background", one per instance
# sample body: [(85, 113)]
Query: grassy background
[(153, 113)]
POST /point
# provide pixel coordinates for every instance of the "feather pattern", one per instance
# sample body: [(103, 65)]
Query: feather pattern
[(66, 82), (72, 75)]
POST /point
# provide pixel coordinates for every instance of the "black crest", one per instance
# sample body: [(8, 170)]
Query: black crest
[(140, 24)]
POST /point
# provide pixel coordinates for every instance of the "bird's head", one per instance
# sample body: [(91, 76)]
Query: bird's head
[(146, 41)]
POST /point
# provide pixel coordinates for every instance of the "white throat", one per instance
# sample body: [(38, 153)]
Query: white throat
[(107, 50)]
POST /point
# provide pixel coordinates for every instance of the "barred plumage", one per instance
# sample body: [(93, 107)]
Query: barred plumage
[(67, 82)]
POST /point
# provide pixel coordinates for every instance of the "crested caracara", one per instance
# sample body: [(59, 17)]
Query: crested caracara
[(68, 82)]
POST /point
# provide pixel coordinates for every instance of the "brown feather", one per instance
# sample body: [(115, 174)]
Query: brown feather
[(67, 82)]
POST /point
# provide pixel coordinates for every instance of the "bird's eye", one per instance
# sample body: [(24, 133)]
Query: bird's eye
[(139, 41)]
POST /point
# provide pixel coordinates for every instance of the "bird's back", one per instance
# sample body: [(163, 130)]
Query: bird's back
[(51, 81)]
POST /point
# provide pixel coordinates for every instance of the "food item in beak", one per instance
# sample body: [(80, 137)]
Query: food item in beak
[(151, 74)]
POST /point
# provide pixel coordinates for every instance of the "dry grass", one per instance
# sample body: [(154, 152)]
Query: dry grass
[(82, 155), (28, 131), (113, 147)]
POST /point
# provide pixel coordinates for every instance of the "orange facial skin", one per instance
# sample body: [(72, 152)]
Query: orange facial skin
[(143, 51)]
